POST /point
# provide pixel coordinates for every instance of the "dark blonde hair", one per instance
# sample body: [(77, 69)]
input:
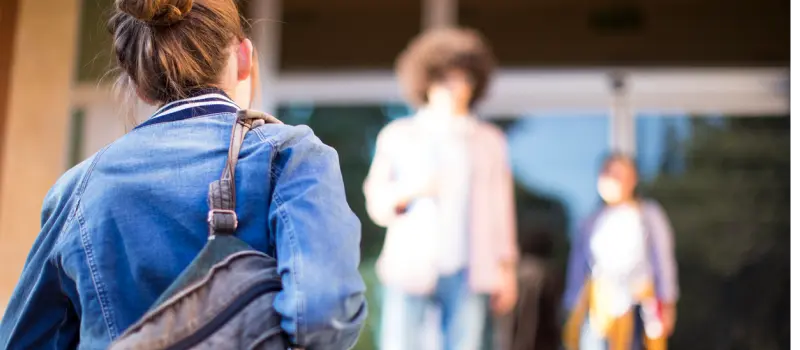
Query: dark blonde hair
[(431, 55), (621, 157), (166, 49)]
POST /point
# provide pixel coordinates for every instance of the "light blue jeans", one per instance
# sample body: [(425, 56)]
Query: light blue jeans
[(463, 316), (590, 340)]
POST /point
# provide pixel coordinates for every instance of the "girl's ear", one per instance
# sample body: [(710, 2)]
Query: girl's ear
[(255, 83), (244, 59)]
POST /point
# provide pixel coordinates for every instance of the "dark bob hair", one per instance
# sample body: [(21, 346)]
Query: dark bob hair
[(432, 54)]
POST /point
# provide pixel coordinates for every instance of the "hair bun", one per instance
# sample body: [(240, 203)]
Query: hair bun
[(156, 12)]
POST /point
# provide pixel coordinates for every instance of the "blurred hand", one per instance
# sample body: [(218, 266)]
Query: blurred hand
[(410, 191), (669, 315), (505, 297), (402, 204)]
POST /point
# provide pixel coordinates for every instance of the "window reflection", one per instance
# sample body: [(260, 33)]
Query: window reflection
[(554, 160), (558, 155)]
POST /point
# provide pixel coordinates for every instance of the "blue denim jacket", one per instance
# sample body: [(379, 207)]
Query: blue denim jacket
[(118, 228)]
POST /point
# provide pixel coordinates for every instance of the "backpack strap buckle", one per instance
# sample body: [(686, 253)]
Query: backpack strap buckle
[(222, 221)]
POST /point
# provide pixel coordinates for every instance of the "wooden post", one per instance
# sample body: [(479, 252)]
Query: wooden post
[(36, 114)]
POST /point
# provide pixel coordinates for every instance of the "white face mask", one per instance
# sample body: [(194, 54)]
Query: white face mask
[(452, 95), (610, 190)]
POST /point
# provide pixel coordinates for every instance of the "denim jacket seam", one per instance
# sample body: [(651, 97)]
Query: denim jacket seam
[(85, 180), (55, 256), (263, 137), (63, 231), (266, 139), (53, 259), (296, 268), (73, 213), (99, 286)]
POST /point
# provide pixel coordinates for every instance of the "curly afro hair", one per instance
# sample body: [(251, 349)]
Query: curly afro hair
[(432, 54)]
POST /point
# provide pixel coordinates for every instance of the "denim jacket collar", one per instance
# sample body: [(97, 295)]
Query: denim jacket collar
[(202, 102)]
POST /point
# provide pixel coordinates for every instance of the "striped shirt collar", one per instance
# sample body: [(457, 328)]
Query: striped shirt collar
[(203, 102)]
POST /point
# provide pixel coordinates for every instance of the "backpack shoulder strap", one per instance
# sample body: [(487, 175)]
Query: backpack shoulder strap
[(222, 217)]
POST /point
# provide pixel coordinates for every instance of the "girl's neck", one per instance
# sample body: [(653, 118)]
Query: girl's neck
[(449, 109), (625, 202)]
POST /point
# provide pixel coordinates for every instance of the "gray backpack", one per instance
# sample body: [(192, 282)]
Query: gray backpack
[(224, 298)]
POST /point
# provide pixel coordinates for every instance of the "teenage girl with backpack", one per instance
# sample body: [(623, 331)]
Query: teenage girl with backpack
[(120, 227)]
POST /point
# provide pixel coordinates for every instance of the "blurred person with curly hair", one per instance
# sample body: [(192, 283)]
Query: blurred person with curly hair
[(441, 183)]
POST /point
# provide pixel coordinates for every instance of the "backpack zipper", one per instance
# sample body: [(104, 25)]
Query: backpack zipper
[(226, 314)]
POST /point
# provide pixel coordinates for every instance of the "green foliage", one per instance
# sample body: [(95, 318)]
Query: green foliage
[(369, 335), (730, 211)]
